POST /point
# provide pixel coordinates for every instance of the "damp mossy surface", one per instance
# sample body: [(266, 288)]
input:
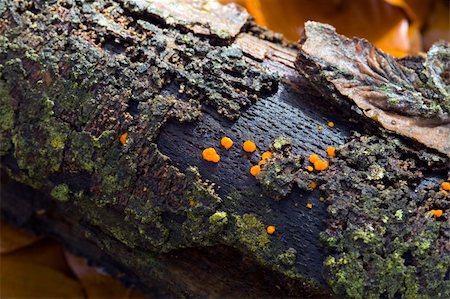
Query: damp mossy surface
[(383, 239), (251, 232)]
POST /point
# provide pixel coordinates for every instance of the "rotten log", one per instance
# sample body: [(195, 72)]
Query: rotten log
[(106, 107)]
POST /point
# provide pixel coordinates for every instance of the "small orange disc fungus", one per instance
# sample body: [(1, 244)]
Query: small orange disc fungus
[(210, 154), (310, 168), (320, 165), (331, 151), (445, 186), (313, 158), (437, 213), (313, 185), (331, 124), (266, 155), (249, 146), (226, 142), (123, 138), (254, 170), (270, 229), (322, 199), (145, 189), (309, 205)]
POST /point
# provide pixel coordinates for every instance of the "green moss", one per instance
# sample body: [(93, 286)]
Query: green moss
[(251, 232), (367, 236), (349, 277), (218, 219), (281, 142), (381, 240), (398, 215), (60, 192), (282, 171), (288, 257), (6, 119), (57, 140)]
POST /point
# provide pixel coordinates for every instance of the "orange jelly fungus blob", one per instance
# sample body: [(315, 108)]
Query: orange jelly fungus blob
[(266, 155), (313, 158), (309, 205), (320, 165), (310, 168), (226, 142), (437, 213), (249, 146), (322, 199), (331, 151), (210, 154), (445, 186), (270, 229), (313, 185), (145, 189), (123, 138), (254, 170), (331, 124)]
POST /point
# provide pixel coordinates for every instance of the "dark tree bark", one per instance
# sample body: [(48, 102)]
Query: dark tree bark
[(106, 107)]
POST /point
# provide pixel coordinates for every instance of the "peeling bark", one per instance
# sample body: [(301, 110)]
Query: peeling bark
[(411, 101)]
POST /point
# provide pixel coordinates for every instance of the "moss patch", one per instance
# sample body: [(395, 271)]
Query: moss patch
[(251, 232), (60, 192), (383, 239)]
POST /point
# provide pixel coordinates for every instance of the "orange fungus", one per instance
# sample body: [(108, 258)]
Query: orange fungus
[(313, 158), (266, 155), (309, 205), (254, 170), (331, 124), (313, 185), (210, 154), (320, 165), (226, 142), (331, 151), (249, 146), (437, 213), (270, 229), (123, 138), (445, 186), (310, 168)]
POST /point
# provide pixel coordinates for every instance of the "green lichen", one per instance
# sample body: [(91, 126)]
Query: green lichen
[(349, 276), (218, 219), (60, 193), (251, 232), (383, 242), (282, 171), (6, 119), (288, 257), (281, 142)]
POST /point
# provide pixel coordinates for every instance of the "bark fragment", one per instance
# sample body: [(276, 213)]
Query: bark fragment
[(413, 103)]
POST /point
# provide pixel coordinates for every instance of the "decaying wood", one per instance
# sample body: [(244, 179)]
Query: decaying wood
[(175, 76)]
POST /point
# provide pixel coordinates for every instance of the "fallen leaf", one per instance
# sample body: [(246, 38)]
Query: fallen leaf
[(95, 283), (46, 252), (12, 238), (24, 280)]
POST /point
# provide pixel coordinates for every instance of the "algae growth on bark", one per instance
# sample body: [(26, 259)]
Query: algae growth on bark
[(173, 78)]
